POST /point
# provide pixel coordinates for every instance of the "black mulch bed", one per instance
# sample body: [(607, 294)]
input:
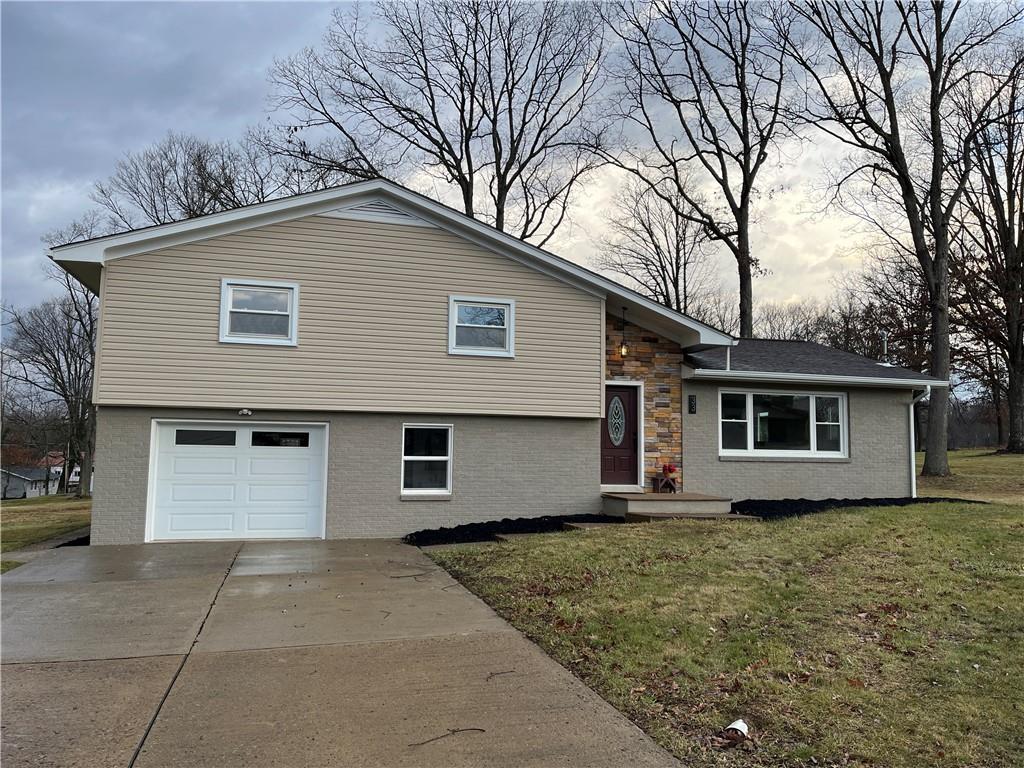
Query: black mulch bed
[(783, 508), (766, 510), (462, 534), (81, 541)]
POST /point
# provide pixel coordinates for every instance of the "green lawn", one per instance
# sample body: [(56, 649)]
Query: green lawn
[(870, 637), (28, 521), (978, 474)]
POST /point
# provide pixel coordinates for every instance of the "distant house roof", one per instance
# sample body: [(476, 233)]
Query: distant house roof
[(800, 361), (26, 473)]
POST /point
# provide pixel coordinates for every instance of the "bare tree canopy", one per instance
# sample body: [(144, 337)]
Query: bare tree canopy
[(883, 79), (51, 347), (988, 256), (665, 255), (183, 176), (491, 97), (701, 92)]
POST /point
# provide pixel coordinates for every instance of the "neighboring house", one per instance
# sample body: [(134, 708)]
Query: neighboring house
[(24, 482), (75, 478), (363, 361)]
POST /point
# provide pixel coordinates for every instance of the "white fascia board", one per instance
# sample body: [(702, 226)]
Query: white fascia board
[(809, 378), (316, 203), (213, 225)]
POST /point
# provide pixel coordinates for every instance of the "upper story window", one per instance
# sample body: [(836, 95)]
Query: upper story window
[(259, 312), (481, 326), (782, 424)]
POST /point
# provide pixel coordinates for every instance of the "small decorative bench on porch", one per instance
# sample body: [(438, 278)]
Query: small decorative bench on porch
[(640, 507)]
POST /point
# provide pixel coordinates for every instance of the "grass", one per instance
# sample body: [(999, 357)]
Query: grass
[(866, 637), (28, 521), (978, 474)]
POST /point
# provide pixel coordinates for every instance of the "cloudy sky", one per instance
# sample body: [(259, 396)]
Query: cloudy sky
[(83, 83)]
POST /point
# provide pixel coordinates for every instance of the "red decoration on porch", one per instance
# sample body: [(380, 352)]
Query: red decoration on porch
[(669, 469)]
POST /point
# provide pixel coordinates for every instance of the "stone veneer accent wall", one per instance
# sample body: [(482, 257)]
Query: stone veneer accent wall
[(656, 361)]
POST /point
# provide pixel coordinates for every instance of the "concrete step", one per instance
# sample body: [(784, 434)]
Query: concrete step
[(590, 526), (644, 517), (660, 506)]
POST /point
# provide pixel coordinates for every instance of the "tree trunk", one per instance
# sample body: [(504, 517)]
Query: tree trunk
[(1015, 404), (88, 445), (936, 462), (997, 405), (85, 477), (743, 265)]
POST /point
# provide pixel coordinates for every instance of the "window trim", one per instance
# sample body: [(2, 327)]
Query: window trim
[(510, 327), (751, 452), (227, 283), (447, 490)]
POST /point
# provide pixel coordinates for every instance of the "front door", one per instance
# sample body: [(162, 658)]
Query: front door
[(619, 436)]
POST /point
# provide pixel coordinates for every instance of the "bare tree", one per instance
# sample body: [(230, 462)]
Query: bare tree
[(35, 425), (182, 176), (801, 320), (491, 97), (51, 348), (701, 93), (988, 260), (882, 78), (664, 254)]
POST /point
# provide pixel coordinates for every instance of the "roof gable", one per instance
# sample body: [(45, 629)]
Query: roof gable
[(386, 201)]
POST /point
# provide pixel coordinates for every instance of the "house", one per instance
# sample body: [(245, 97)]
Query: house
[(363, 361), (25, 482)]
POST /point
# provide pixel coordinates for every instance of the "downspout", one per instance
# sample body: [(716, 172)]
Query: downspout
[(728, 358), (910, 421)]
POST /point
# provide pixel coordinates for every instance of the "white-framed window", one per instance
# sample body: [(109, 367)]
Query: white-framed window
[(259, 312), (782, 424), (478, 325), (426, 459)]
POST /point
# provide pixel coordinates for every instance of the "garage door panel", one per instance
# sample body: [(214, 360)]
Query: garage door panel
[(280, 493), (278, 466), (212, 465), (235, 489), (204, 492), (205, 521)]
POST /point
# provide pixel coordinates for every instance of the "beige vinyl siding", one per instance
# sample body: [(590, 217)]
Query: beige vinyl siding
[(373, 326)]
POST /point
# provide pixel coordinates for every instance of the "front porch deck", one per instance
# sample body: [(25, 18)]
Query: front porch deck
[(641, 507)]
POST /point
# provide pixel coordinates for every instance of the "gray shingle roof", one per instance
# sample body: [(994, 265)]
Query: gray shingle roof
[(27, 473), (800, 357)]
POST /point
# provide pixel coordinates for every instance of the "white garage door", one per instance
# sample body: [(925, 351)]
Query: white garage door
[(237, 481)]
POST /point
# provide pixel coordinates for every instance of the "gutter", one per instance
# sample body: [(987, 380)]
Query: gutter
[(913, 438), (711, 374)]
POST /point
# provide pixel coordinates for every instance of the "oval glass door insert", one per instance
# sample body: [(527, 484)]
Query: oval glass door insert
[(616, 421)]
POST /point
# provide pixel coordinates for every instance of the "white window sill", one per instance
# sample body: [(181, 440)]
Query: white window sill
[(426, 497), (264, 342), (481, 353), (785, 459)]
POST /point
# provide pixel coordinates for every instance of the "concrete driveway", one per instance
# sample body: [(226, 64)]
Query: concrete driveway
[(339, 653)]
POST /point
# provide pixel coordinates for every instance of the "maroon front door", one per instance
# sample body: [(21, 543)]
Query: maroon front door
[(619, 442)]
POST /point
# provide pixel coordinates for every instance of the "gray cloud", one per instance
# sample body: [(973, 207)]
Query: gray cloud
[(85, 82)]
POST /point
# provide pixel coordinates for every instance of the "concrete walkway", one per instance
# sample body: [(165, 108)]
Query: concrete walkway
[(341, 653)]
